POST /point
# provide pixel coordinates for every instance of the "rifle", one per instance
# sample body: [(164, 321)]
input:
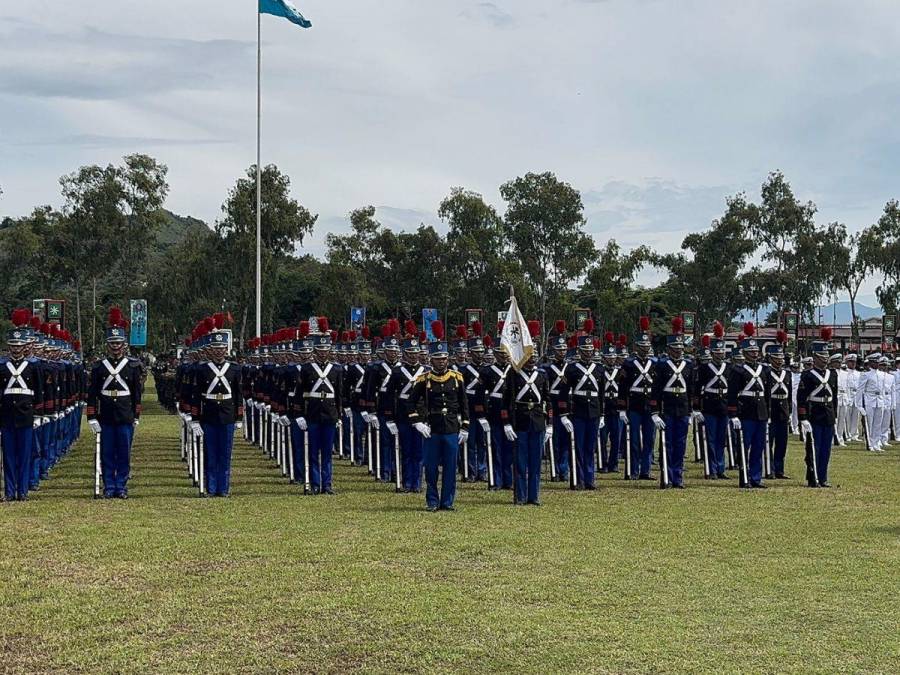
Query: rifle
[(490, 461), (811, 468), (704, 444), (97, 466), (663, 461), (398, 484), (573, 468), (290, 456), (627, 433), (201, 460), (307, 485)]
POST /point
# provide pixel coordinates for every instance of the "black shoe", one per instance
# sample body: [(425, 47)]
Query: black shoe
[(679, 486), (759, 486), (122, 495), (535, 503), (604, 470), (431, 509), (22, 498), (825, 484), (811, 484), (723, 476), (645, 476), (448, 508), (781, 476), (316, 491), (328, 491), (590, 487)]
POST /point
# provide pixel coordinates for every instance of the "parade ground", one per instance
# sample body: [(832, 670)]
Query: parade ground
[(625, 579)]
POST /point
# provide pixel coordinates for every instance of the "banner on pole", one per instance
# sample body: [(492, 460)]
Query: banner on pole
[(515, 338), (429, 315), (138, 334), (357, 318)]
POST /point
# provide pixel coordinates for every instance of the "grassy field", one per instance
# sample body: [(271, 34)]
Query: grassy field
[(625, 579)]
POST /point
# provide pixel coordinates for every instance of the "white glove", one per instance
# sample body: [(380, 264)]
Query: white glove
[(423, 429), (510, 432), (623, 416), (658, 421), (36, 423), (862, 412), (374, 423), (94, 426), (56, 416), (301, 423), (567, 424), (548, 433), (806, 427), (347, 412), (45, 420), (735, 424), (137, 423), (484, 424), (365, 417), (196, 429), (463, 436), (698, 417), (392, 428), (284, 421), (238, 425), (602, 423)]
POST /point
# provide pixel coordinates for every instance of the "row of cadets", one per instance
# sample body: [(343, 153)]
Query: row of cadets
[(114, 407), (635, 403), (876, 400), (217, 408)]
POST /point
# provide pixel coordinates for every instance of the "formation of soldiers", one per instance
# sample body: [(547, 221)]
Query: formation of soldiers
[(406, 407), (42, 402)]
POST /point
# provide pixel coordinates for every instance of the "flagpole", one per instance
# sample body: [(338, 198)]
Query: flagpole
[(258, 172)]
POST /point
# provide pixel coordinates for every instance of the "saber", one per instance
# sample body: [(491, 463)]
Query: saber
[(865, 427), (398, 485), (744, 468), (352, 439), (190, 455), (184, 426), (768, 454), (273, 439), (201, 456), (663, 461), (369, 449), (378, 454), (290, 457), (627, 433), (704, 443), (466, 461), (97, 466), (282, 442), (340, 427), (552, 458), (600, 463), (811, 460), (490, 460), (731, 458), (307, 486), (698, 454), (573, 469)]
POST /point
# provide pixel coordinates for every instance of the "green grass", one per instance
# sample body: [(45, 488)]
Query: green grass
[(626, 579)]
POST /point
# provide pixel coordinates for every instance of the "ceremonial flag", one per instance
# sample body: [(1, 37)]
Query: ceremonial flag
[(285, 9), (429, 315), (515, 338), (138, 333)]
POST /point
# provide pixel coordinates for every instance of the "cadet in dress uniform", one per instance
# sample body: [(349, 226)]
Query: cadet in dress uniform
[(20, 410), (380, 406), (478, 435), (748, 407), (817, 409), (584, 385), (114, 407), (780, 404), (671, 403), (869, 401), (525, 411), (441, 416), (217, 409), (400, 389), (612, 431), (711, 400), (559, 399), (493, 378), (635, 409)]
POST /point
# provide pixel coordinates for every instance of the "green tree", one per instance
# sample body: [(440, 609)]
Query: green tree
[(885, 245), (544, 225), (609, 281), (849, 259), (284, 225)]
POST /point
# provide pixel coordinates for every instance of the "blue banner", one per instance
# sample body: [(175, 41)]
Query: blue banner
[(138, 333), (357, 318), (429, 315)]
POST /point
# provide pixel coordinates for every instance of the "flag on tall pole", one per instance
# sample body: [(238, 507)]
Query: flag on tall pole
[(285, 9), (515, 337)]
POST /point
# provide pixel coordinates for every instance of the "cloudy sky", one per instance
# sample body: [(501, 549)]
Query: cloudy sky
[(655, 109)]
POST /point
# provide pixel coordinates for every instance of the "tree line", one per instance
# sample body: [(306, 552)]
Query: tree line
[(106, 244)]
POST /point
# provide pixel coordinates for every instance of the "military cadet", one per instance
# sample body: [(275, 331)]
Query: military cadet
[(321, 387), (380, 406), (217, 409), (635, 409), (780, 404), (671, 404), (851, 424), (711, 401), (475, 397), (20, 411), (400, 387), (493, 379), (584, 387), (355, 400), (114, 407), (612, 431), (292, 401), (748, 408), (817, 409), (441, 417), (559, 400), (870, 403), (526, 411)]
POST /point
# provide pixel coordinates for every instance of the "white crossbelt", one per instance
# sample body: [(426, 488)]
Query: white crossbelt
[(114, 376), (387, 378), (750, 389), (16, 383), (497, 392), (676, 383), (779, 388), (410, 381), (587, 376), (322, 376), (558, 374), (643, 374), (218, 378), (718, 382), (357, 389), (612, 385), (823, 385), (529, 386), (470, 389)]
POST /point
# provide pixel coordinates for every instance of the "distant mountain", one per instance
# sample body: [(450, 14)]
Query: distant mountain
[(836, 313)]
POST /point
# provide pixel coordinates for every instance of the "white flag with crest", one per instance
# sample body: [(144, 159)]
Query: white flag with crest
[(516, 338)]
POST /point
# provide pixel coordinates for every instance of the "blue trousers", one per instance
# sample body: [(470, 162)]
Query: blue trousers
[(676, 432), (411, 456), (297, 441), (502, 449), (346, 435), (359, 432), (754, 433), (218, 441), (477, 451), (778, 436), (823, 437), (115, 457), (611, 441), (643, 433), (562, 448), (387, 452), (717, 428), (40, 439), (321, 442), (529, 448), (585, 444), (440, 452), (17, 460)]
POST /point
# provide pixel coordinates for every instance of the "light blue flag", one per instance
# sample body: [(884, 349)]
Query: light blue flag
[(286, 9)]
